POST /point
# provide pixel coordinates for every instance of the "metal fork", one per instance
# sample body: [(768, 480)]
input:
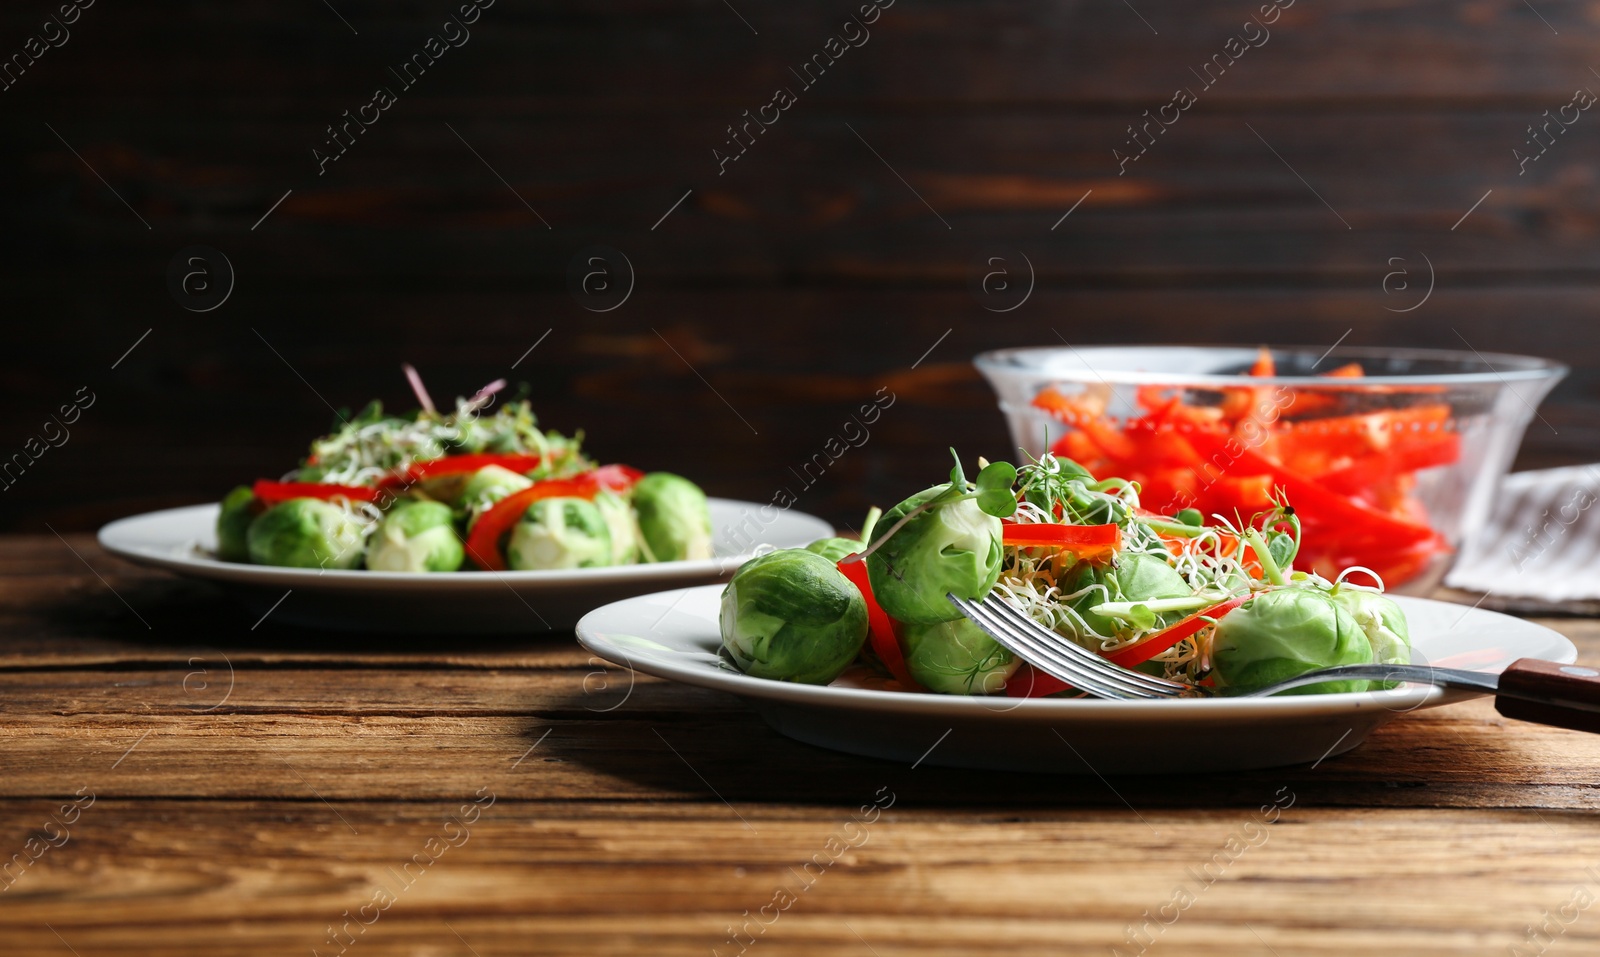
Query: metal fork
[(1530, 689)]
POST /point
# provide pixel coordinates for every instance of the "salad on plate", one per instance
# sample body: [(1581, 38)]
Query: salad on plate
[(436, 491), (1215, 602)]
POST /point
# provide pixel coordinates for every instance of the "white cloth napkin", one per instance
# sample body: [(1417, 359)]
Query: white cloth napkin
[(1540, 550)]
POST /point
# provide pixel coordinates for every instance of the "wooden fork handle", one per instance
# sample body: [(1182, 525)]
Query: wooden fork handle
[(1546, 692)]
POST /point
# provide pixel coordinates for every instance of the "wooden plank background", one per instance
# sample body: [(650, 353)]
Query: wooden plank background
[(800, 281)]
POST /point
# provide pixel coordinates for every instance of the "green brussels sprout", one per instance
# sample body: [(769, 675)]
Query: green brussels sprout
[(957, 657), (674, 520), (480, 489), (1138, 577), (949, 548), (621, 524), (834, 549), (239, 509), (1145, 576), (791, 615), (1381, 619), (305, 533), (559, 532), (1286, 632), (415, 535)]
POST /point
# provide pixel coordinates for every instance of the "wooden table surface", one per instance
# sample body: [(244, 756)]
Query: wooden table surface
[(177, 783)]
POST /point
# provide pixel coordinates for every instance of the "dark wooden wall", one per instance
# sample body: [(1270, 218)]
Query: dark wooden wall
[(807, 276)]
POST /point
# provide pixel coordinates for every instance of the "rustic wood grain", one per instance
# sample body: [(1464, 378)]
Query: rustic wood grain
[(249, 790), (667, 743), (269, 877)]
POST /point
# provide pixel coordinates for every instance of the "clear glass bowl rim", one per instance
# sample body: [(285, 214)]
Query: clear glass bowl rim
[(1498, 367)]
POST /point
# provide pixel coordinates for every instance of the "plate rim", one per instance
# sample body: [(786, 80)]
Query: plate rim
[(1399, 701)]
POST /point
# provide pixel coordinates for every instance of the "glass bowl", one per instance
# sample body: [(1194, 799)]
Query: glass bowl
[(1390, 457)]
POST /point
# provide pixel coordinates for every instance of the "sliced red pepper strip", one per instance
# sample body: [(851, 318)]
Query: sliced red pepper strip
[(1153, 399), (1367, 471), (455, 464), (1303, 444), (1087, 418), (880, 627), (1084, 541), (1151, 645), (483, 542), (1077, 447), (1392, 564), (1029, 682), (1329, 507), (1064, 536), (1264, 366), (274, 492)]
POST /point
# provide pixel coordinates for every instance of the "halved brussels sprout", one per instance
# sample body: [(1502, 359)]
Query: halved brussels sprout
[(559, 533), (480, 489), (674, 519), (1135, 577), (791, 615), (833, 549), (305, 533), (415, 536), (957, 657), (239, 509), (950, 548), (622, 526), (1382, 621), (1287, 632)]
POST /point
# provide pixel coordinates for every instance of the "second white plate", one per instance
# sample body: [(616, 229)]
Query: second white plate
[(184, 540), (675, 635)]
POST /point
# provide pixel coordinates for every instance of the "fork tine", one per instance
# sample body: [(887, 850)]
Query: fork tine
[(1029, 641), (1025, 648), (1040, 653), (1087, 658), (1033, 652)]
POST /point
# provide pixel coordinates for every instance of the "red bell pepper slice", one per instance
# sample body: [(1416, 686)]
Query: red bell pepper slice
[(1240, 403), (1305, 445), (274, 492), (1078, 447), (1085, 416), (1329, 507), (1368, 471), (1154, 644), (1086, 541), (483, 542), (1308, 402), (1264, 365), (1350, 370), (880, 627), (1392, 564)]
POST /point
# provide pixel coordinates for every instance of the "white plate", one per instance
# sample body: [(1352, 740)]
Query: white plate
[(184, 540), (675, 635)]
